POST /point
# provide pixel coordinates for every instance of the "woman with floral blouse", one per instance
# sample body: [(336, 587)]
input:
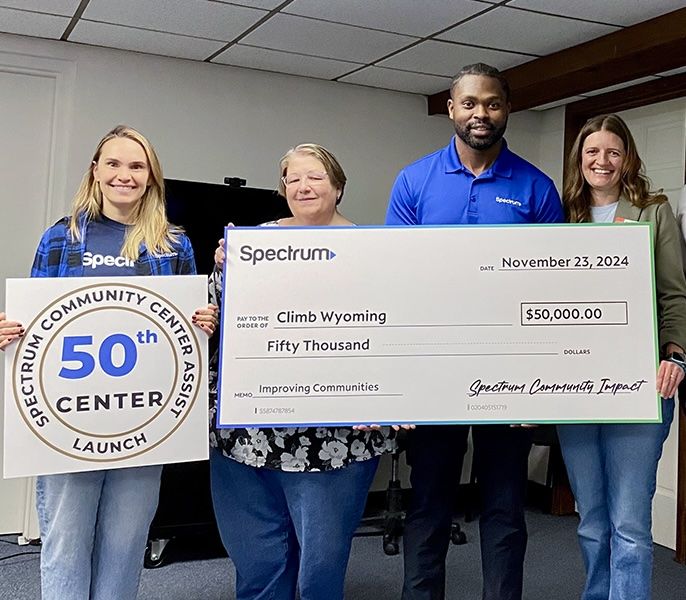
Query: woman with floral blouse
[(288, 500)]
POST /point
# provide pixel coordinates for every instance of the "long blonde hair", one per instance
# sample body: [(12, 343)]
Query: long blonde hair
[(150, 226), (634, 186)]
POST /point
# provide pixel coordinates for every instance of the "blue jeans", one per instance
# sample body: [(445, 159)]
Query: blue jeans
[(94, 527), (284, 530), (612, 470)]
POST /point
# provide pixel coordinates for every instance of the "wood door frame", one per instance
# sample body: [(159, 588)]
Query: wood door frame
[(576, 115)]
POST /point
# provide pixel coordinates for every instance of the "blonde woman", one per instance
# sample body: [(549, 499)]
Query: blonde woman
[(94, 524)]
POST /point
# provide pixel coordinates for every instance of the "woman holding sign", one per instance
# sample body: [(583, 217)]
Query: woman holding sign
[(94, 524), (288, 500), (612, 467)]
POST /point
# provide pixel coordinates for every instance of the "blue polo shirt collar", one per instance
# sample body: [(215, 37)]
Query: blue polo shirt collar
[(502, 166)]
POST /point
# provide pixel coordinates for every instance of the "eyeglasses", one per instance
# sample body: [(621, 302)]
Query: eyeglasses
[(314, 178)]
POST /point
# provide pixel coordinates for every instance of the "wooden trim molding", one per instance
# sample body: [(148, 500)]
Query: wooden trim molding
[(647, 48), (681, 492)]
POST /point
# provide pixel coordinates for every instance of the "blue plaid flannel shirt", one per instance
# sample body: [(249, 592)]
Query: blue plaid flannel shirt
[(60, 256)]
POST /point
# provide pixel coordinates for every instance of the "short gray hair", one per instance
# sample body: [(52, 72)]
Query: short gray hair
[(333, 168)]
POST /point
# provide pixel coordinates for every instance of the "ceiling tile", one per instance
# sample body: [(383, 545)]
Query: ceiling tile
[(392, 79), (188, 17), (33, 24), (514, 31), (626, 12), (54, 7), (619, 86), (328, 40), (266, 4), (151, 42), (240, 55), (401, 16), (558, 103), (444, 58)]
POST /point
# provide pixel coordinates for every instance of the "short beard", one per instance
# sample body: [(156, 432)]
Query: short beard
[(481, 143)]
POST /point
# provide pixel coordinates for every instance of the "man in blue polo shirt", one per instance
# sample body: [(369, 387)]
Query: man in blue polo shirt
[(476, 179)]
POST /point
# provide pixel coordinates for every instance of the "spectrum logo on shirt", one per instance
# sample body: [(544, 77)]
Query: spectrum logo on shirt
[(95, 260), (507, 201)]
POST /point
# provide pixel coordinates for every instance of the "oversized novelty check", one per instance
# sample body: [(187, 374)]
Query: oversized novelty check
[(110, 373), (518, 324)]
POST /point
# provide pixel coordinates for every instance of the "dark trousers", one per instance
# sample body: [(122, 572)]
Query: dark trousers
[(500, 462)]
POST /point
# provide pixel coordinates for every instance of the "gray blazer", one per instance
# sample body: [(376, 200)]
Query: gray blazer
[(669, 276)]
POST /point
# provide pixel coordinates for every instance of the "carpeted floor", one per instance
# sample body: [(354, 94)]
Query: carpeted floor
[(553, 569)]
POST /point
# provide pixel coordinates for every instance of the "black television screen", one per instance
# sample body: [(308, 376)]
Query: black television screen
[(204, 209)]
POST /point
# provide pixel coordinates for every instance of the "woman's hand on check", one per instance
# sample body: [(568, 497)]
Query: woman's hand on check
[(220, 252)]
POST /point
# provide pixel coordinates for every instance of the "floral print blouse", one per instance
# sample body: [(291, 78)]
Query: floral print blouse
[(290, 448)]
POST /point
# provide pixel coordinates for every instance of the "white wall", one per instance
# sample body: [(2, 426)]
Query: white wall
[(523, 134), (208, 121), (551, 143), (660, 134)]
